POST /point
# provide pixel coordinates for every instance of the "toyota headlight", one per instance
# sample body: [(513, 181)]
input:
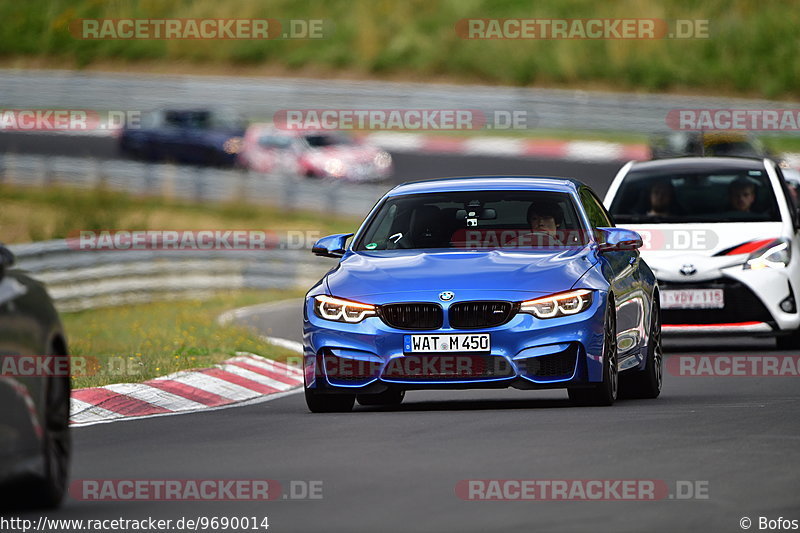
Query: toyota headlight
[(339, 310), (557, 305), (775, 254), (382, 160), (334, 167)]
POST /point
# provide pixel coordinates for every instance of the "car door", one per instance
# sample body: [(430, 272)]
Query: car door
[(623, 270), (171, 136), (20, 344)]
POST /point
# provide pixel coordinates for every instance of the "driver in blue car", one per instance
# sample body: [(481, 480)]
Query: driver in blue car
[(546, 221)]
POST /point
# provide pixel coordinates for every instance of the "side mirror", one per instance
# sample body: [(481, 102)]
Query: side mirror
[(616, 239), (7, 260), (332, 245)]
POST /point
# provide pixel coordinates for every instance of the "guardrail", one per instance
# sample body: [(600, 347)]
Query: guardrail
[(260, 98), (80, 279), (197, 184)]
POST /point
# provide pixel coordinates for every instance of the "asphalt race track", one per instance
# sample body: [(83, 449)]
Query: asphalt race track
[(396, 470)]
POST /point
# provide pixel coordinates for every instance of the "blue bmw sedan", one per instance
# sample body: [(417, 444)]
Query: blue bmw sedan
[(483, 282)]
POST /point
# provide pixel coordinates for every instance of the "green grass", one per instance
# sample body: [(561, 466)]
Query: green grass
[(782, 143), (139, 342), (35, 214), (752, 49)]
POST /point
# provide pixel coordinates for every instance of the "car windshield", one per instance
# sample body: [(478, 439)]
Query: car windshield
[(320, 140), (646, 196), (271, 140), (519, 219), (202, 119)]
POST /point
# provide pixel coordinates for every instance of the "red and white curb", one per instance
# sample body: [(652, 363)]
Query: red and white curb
[(588, 151), (582, 151), (510, 147), (244, 379)]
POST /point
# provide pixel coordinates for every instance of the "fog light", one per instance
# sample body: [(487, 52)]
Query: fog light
[(788, 305)]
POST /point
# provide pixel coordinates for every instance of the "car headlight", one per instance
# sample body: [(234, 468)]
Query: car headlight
[(334, 167), (557, 305), (233, 145), (775, 254), (339, 310), (382, 160)]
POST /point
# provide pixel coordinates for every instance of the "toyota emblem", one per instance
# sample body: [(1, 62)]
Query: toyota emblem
[(688, 270)]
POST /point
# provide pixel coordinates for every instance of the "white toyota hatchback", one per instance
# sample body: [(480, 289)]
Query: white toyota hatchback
[(720, 234)]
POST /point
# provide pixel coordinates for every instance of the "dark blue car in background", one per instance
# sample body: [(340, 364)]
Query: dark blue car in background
[(194, 136)]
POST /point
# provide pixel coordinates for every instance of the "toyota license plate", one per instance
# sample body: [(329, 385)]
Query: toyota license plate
[(693, 299)]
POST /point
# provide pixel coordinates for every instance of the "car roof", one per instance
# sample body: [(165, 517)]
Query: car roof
[(484, 183), (264, 127), (700, 164)]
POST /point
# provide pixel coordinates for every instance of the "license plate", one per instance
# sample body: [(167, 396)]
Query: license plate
[(463, 342), (693, 299)]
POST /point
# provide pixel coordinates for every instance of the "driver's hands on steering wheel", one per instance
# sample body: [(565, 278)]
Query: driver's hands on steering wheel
[(533, 239)]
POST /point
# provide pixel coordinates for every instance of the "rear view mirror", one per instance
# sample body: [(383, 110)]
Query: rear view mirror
[(477, 213), (332, 245), (7, 260), (616, 239)]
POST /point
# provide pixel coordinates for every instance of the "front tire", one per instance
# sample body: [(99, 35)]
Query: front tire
[(789, 342), (56, 444), (646, 384), (319, 402), (605, 392)]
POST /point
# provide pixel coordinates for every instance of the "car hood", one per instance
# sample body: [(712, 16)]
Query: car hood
[(695, 252), (424, 274)]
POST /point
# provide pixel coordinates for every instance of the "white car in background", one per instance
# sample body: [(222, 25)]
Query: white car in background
[(314, 154), (722, 236)]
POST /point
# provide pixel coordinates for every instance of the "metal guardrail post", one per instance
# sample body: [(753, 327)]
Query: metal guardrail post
[(333, 198), (150, 180), (199, 184), (47, 171), (98, 174), (242, 177), (290, 192), (10, 160), (167, 177)]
